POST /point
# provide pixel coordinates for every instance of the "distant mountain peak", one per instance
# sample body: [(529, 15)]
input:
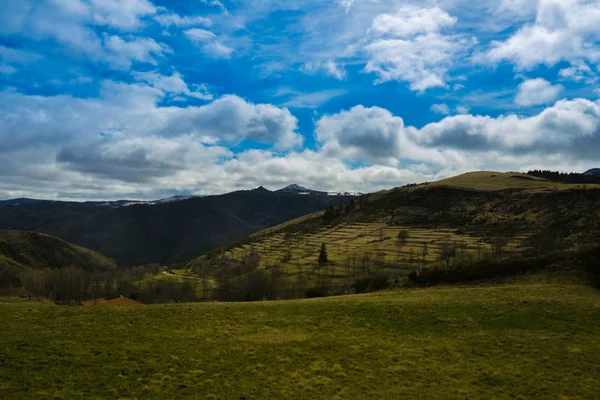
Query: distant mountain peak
[(294, 187), (593, 172)]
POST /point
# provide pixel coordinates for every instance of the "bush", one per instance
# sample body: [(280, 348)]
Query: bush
[(483, 270), (371, 284), (315, 292)]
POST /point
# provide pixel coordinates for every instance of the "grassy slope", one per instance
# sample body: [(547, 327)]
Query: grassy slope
[(22, 250), (535, 338)]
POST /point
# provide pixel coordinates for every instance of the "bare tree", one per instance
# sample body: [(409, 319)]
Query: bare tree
[(497, 245), (447, 251)]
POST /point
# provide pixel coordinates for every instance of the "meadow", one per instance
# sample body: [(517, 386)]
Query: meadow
[(535, 337)]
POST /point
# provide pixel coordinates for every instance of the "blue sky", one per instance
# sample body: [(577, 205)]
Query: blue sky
[(106, 99)]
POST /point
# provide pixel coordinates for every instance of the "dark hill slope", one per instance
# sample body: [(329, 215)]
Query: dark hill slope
[(20, 251), (165, 233)]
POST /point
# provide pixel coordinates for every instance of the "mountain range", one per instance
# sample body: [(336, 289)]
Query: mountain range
[(165, 231)]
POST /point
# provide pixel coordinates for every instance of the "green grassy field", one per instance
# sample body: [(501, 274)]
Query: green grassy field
[(536, 337)]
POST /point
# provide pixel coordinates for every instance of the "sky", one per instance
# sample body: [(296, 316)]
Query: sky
[(145, 99)]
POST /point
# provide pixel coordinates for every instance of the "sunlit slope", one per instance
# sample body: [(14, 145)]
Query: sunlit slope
[(470, 212), (490, 180), (536, 338), (23, 250)]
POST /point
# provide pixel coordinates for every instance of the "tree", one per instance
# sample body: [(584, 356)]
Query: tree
[(323, 255), (402, 237)]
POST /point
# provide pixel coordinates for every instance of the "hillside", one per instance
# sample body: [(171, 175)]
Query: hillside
[(20, 251), (166, 232), (469, 219), (536, 337)]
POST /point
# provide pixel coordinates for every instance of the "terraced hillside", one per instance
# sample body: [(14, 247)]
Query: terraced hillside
[(453, 222)]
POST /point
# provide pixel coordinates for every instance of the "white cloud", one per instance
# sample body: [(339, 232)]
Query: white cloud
[(6, 69), (564, 30), (217, 50), (308, 100), (441, 109), (168, 19), (173, 84), (125, 144), (200, 35), (9, 57), (120, 14), (122, 53), (579, 72), (409, 21), (69, 23), (423, 61), (329, 68), (462, 110), (409, 46), (128, 111), (362, 134), (537, 91), (559, 128), (210, 43)]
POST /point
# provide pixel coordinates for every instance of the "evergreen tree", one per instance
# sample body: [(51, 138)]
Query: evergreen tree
[(323, 255)]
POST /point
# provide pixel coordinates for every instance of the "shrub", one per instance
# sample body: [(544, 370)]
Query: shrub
[(371, 284), (314, 292)]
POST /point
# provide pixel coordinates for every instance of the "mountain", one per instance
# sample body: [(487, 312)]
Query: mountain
[(135, 233), (593, 172), (465, 219), (295, 188), (24, 250)]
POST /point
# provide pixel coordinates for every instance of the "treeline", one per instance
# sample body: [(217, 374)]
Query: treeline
[(334, 212), (587, 259), (72, 284), (567, 177)]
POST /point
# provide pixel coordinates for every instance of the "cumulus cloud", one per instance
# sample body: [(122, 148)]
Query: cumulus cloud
[(140, 160), (371, 135), (560, 128), (124, 133), (410, 46), (564, 30), (537, 91), (410, 21), (125, 144)]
